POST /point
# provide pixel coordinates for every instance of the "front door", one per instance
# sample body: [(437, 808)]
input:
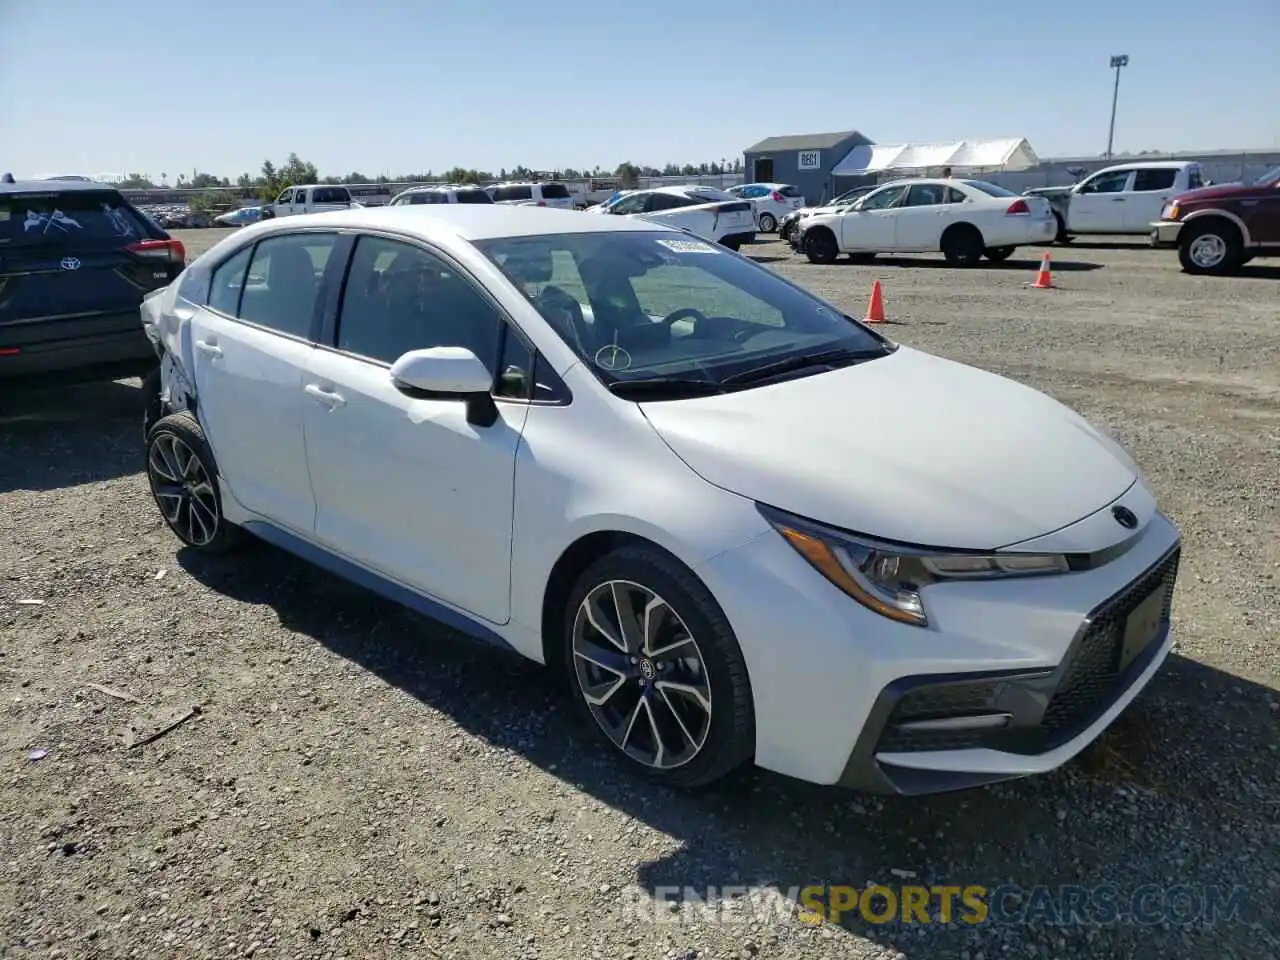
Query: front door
[(873, 225), (407, 487), (1098, 206), (284, 202), (251, 342)]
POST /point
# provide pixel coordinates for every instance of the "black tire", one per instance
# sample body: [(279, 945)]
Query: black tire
[(962, 245), (727, 738), (152, 408), (820, 246), (998, 254), (768, 223), (1061, 236), (784, 232), (1211, 246), (187, 494)]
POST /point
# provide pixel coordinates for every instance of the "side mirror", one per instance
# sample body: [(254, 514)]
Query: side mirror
[(448, 373)]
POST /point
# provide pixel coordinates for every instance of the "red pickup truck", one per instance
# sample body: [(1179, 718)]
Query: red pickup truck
[(1219, 229)]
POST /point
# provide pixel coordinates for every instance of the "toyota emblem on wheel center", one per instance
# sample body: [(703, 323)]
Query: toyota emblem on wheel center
[(70, 263), (1125, 517)]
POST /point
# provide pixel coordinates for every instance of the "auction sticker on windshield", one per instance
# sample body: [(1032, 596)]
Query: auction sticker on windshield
[(688, 246)]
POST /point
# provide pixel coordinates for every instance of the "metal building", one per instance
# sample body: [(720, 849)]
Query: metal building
[(805, 160)]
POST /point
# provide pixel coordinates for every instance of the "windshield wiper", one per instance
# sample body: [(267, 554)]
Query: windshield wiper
[(789, 364), (652, 388)]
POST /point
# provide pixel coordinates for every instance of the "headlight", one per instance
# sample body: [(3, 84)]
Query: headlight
[(888, 578), (1170, 212)]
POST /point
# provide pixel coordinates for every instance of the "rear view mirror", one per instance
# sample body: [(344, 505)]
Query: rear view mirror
[(448, 373)]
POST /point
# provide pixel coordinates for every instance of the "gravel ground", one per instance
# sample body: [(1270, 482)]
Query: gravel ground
[(357, 783)]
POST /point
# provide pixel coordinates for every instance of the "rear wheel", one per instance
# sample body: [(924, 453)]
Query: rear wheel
[(1211, 246), (768, 223), (998, 254), (962, 245), (656, 668), (184, 482), (820, 246)]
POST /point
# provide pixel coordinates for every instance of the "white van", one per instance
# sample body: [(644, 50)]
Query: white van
[(312, 198)]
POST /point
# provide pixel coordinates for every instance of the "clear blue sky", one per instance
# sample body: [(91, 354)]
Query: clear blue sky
[(391, 87)]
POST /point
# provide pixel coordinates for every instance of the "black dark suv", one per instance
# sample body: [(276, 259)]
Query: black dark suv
[(76, 259)]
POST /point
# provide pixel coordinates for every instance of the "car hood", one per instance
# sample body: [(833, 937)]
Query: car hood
[(911, 447), (1215, 192)]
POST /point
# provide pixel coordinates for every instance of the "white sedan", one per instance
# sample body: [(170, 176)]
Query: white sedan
[(965, 219), (703, 211), (772, 201), (609, 447)]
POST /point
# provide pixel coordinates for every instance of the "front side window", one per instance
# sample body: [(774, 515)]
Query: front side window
[(632, 203), (1114, 182), (282, 283), (659, 306), (883, 199), (400, 297)]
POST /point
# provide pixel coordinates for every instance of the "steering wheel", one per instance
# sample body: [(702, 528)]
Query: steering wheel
[(685, 313)]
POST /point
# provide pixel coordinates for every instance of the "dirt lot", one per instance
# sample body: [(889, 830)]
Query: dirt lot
[(361, 783)]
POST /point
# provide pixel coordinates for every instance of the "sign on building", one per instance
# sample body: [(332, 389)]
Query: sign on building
[(809, 160)]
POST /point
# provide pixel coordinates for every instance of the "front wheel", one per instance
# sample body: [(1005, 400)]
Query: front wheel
[(768, 223), (820, 246), (656, 668), (999, 254), (1212, 247), (184, 483)]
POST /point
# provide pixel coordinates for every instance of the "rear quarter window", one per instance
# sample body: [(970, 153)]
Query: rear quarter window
[(555, 191), (67, 218)]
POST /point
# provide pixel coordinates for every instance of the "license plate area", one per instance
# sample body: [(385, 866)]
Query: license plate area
[(1142, 626)]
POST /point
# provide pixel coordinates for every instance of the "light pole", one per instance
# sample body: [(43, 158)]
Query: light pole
[(1116, 63)]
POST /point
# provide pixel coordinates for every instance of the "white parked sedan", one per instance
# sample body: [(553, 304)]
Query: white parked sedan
[(772, 201), (965, 219), (703, 211), (613, 448)]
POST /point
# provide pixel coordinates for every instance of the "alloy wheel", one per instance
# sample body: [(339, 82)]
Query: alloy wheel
[(183, 490), (642, 674)]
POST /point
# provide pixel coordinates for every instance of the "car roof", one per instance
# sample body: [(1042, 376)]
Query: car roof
[(54, 186), (464, 221)]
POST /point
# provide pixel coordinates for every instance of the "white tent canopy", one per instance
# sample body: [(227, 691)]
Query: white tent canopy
[(1006, 154)]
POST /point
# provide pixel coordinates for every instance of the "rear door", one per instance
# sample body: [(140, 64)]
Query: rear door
[(74, 267), (1152, 188)]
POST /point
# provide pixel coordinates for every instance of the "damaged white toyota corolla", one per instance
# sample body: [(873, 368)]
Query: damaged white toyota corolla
[(743, 525)]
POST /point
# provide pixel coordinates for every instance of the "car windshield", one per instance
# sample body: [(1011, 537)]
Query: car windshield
[(665, 307), (1268, 178), (989, 188)]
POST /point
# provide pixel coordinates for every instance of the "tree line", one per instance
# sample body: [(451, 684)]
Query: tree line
[(273, 178)]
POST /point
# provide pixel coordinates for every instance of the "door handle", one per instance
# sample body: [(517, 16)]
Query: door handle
[(209, 347), (325, 396), (1117, 199)]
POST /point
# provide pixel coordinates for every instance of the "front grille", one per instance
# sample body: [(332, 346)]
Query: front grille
[(1073, 695), (1093, 666)]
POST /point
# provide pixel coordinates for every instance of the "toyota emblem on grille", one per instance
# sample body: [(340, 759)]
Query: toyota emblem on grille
[(1125, 517), (70, 263)]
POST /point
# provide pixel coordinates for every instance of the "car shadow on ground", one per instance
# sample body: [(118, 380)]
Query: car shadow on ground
[(1195, 753), (1021, 263), (65, 437)]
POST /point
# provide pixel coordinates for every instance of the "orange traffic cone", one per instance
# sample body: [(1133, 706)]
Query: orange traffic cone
[(1044, 280), (875, 309)]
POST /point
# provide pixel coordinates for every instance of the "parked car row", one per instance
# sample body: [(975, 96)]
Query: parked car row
[(604, 443)]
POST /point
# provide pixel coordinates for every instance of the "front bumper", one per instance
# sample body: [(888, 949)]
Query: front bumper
[(844, 696), (1164, 233)]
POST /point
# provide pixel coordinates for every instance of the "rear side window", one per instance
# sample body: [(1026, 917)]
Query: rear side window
[(790, 191), (473, 196), (501, 194), (1194, 180), (68, 218), (555, 191), (990, 189), (331, 195), (283, 282), (1159, 179)]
